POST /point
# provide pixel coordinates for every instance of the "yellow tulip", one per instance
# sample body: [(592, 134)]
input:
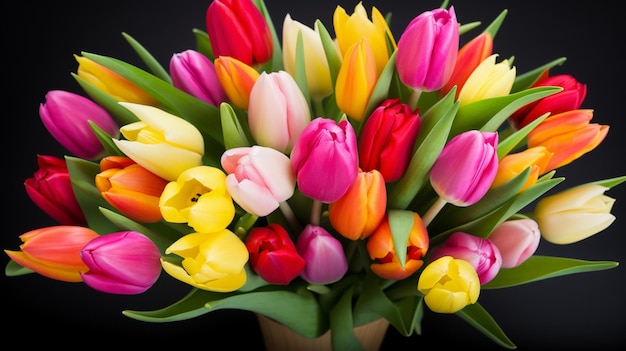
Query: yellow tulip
[(449, 284), (356, 80), (211, 261), (488, 80)]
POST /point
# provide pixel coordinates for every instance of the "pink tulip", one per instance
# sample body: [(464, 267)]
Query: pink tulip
[(121, 263), (66, 116), (427, 50), (273, 254), (325, 159), (516, 240), (466, 167), (259, 178), (325, 260), (277, 111), (50, 188), (195, 74), (481, 253)]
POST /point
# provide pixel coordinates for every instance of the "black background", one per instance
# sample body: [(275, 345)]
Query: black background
[(39, 41)]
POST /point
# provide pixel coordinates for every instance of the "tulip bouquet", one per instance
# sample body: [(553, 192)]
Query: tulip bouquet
[(322, 181)]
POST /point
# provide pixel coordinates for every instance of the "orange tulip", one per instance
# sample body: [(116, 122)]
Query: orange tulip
[(511, 165), (469, 57), (237, 78)]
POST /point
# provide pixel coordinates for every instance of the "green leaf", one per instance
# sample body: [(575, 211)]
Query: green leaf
[(234, 135), (300, 74), (609, 183), (276, 62), (341, 326), (494, 26), (526, 80), (513, 140), (400, 223), (330, 50), (13, 269), (203, 44), (537, 268), (478, 317), (152, 63), (106, 140), (489, 114)]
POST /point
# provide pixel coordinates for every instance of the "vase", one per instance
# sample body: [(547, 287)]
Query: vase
[(277, 337)]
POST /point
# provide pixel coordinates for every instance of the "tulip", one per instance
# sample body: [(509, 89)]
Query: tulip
[(488, 80), (449, 284), (211, 261), (387, 139), (351, 29), (130, 188), (194, 73), (517, 240), (124, 263), (570, 98), (50, 188), (481, 253), (259, 178), (316, 67), (236, 78), (199, 198), (325, 160), (466, 167), (568, 135), (237, 28), (574, 214), (325, 261), (469, 57), (273, 255), (511, 165), (164, 144), (67, 115), (356, 80), (277, 111), (111, 83), (427, 50), (381, 249), (361, 209), (54, 252)]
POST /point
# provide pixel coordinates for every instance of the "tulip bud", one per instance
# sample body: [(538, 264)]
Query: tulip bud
[(570, 98), (238, 29), (316, 66), (237, 78), (325, 261), (125, 263), (481, 253), (488, 80), (574, 214), (111, 83), (211, 261), (387, 139), (277, 111), (130, 188), (395, 263), (516, 240), (568, 135), (361, 209), (356, 80), (194, 73), (259, 178), (466, 167), (199, 198), (50, 188), (164, 144), (325, 159), (427, 50), (273, 255), (449, 284), (66, 116), (54, 252)]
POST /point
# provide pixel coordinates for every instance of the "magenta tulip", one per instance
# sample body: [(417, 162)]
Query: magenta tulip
[(387, 139), (325, 260), (516, 240), (66, 116), (427, 50), (481, 253), (123, 263), (50, 188), (273, 255), (195, 74), (325, 159), (466, 167)]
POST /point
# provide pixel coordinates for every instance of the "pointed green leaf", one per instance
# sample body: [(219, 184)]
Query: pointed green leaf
[(153, 64), (341, 326), (609, 183), (538, 267), (234, 135), (332, 56), (494, 26), (478, 317), (400, 223), (12, 269), (106, 140), (300, 74), (203, 44), (526, 80), (512, 141)]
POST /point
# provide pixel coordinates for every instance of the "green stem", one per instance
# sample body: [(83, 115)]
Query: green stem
[(414, 98), (318, 108), (433, 211), (290, 216), (316, 212)]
